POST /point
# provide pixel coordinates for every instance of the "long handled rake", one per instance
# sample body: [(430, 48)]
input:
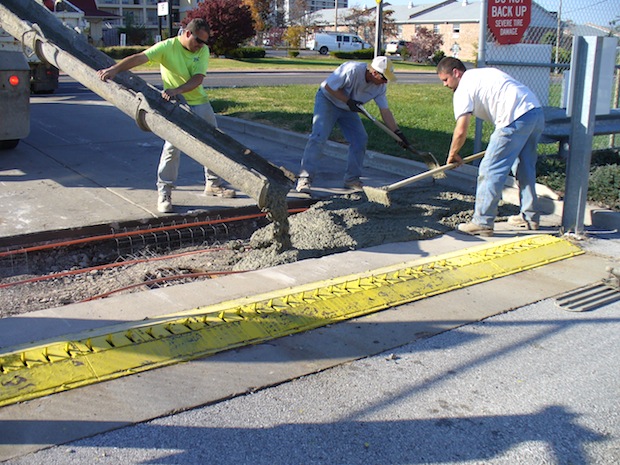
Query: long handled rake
[(381, 194)]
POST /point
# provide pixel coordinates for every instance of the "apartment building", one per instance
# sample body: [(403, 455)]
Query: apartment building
[(145, 13)]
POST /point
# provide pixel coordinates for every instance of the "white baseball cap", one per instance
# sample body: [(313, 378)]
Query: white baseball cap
[(384, 66)]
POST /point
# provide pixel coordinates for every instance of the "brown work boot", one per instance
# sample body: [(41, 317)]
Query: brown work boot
[(219, 191), (520, 222), (474, 229), (354, 184)]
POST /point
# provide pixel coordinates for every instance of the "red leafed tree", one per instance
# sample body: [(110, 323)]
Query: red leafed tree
[(230, 21), (424, 44)]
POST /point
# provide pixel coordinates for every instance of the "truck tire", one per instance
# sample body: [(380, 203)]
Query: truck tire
[(8, 144), (323, 50)]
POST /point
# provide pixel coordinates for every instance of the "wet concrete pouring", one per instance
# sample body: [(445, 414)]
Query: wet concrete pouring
[(329, 226)]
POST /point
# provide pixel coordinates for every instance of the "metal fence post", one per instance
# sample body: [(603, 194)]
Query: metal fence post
[(586, 67)]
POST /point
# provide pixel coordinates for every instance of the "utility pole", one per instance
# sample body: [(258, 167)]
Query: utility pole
[(379, 28), (336, 16)]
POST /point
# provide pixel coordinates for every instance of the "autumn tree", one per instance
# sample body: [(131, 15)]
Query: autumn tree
[(230, 20), (261, 13), (423, 44), (294, 35)]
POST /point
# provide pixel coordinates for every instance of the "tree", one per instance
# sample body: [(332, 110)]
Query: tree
[(297, 12), (389, 25), (424, 44), (293, 35), (261, 13), (362, 21), (230, 20), (274, 36), (136, 35)]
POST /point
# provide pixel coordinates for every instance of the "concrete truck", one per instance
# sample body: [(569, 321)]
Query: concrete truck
[(22, 72)]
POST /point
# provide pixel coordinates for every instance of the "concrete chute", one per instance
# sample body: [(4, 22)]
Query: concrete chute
[(33, 25)]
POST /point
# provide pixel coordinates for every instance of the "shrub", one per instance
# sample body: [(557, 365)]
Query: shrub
[(604, 181), (293, 53), (604, 187), (437, 56), (246, 52), (365, 54), (118, 53)]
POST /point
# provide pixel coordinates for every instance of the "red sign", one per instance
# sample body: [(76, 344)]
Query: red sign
[(509, 19)]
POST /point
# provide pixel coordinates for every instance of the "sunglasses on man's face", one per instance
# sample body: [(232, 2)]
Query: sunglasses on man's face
[(381, 76), (199, 40)]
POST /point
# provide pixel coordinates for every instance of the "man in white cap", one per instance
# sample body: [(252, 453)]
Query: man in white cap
[(337, 101)]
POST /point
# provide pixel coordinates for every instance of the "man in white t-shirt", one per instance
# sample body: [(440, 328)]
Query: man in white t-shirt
[(337, 101), (494, 96)]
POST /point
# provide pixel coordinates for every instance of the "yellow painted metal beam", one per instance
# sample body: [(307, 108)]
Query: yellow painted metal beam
[(28, 372)]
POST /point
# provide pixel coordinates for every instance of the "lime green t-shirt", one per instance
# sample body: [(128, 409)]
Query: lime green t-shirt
[(178, 65)]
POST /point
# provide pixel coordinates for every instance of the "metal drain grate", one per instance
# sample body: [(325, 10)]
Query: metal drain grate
[(592, 296)]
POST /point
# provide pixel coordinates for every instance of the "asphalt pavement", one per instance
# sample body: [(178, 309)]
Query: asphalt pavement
[(495, 373)]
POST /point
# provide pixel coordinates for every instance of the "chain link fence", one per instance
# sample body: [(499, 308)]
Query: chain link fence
[(542, 57)]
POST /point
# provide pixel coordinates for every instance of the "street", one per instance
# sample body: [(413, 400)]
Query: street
[(250, 79)]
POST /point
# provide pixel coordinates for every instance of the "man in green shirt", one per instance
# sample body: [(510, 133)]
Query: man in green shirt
[(183, 64)]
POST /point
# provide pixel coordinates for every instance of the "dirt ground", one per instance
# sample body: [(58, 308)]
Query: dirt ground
[(330, 226)]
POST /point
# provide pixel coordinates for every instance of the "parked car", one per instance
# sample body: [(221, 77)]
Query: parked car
[(396, 47)]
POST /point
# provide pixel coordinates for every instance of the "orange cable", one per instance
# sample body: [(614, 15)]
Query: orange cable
[(84, 240), (107, 266)]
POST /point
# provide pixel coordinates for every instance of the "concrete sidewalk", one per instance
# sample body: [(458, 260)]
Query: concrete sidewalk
[(449, 382)]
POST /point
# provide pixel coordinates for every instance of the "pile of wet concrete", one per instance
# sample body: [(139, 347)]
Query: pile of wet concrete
[(352, 222)]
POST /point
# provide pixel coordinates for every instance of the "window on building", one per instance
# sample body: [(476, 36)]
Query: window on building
[(151, 18), (436, 28), (456, 28)]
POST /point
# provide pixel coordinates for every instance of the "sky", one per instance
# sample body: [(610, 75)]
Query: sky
[(580, 11)]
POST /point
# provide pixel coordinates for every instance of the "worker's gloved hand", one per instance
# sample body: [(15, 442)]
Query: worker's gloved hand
[(354, 105), (404, 143)]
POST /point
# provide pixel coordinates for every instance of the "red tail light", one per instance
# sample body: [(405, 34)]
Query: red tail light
[(14, 80)]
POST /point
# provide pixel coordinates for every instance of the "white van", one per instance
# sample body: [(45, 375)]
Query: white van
[(325, 42)]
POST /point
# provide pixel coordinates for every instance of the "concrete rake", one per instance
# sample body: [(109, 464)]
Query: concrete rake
[(427, 157), (381, 194)]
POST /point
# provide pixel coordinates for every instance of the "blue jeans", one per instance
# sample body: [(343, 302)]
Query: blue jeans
[(170, 158), (510, 148), (326, 115)]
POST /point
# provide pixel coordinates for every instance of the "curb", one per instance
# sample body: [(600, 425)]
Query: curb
[(549, 202)]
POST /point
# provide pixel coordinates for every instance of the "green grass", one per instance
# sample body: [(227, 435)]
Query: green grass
[(317, 63), (423, 112)]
